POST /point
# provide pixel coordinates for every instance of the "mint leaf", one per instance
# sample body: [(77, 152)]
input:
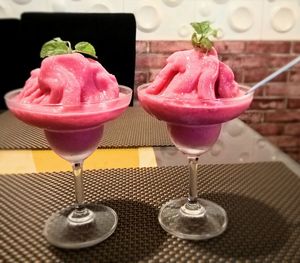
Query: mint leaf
[(55, 47), (206, 43), (203, 35), (197, 28), (201, 28), (86, 48)]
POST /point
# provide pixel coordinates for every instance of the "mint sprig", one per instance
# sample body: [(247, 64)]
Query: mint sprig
[(85, 48), (203, 35), (57, 46)]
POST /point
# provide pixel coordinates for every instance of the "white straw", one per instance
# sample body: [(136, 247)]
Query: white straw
[(274, 74)]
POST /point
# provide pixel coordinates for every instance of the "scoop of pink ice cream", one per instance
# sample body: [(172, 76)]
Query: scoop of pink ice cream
[(69, 79), (194, 74), (194, 88)]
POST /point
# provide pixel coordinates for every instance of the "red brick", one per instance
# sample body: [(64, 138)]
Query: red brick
[(267, 129), (233, 61), (141, 77), (142, 47), (150, 61), (265, 60), (238, 75), (278, 61), (254, 61), (291, 89), (294, 75), (296, 47), (230, 47), (275, 89), (293, 103), (284, 140), (282, 116), (292, 149), (260, 103), (268, 46), (153, 73), (293, 152), (252, 116), (257, 74), (258, 92), (292, 128), (168, 47)]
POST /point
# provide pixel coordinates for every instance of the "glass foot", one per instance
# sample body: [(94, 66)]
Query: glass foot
[(208, 221), (64, 232)]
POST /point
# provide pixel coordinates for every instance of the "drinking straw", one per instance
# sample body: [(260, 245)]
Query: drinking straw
[(274, 74)]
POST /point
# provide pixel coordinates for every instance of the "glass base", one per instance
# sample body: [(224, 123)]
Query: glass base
[(207, 221), (62, 232)]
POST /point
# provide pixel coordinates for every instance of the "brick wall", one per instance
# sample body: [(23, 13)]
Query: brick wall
[(275, 111)]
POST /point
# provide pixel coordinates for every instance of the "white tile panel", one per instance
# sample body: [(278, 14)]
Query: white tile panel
[(22, 2), (281, 20), (170, 19), (59, 5), (172, 3), (158, 20), (92, 6), (20, 6), (104, 6), (239, 20), (6, 10)]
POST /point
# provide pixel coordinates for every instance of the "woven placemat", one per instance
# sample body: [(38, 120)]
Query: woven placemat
[(262, 202), (135, 128)]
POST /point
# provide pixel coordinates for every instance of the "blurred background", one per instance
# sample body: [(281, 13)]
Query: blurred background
[(256, 38)]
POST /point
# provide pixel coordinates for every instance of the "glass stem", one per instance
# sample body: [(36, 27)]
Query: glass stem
[(193, 191), (80, 215), (79, 195), (193, 208)]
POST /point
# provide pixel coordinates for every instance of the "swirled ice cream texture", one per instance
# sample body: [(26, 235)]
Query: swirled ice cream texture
[(69, 79), (193, 74)]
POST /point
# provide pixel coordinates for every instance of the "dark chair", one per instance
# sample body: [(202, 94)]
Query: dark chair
[(10, 47), (112, 34)]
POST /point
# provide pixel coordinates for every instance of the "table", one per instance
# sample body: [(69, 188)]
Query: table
[(259, 189)]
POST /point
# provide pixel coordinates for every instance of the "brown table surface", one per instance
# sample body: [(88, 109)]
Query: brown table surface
[(135, 128), (262, 201)]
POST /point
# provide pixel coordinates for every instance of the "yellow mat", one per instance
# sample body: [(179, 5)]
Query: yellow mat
[(31, 161)]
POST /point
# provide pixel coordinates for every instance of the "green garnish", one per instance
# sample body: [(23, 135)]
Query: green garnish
[(86, 48), (202, 37), (57, 46)]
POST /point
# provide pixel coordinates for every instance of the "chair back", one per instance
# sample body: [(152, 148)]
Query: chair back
[(112, 34), (10, 48)]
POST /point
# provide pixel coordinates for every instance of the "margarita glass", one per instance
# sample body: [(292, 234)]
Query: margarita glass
[(193, 126), (74, 133)]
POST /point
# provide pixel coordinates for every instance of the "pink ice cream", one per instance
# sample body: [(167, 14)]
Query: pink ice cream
[(193, 74), (69, 79), (68, 92), (194, 88)]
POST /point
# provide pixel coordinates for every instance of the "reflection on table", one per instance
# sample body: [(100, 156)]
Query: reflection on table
[(238, 143)]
